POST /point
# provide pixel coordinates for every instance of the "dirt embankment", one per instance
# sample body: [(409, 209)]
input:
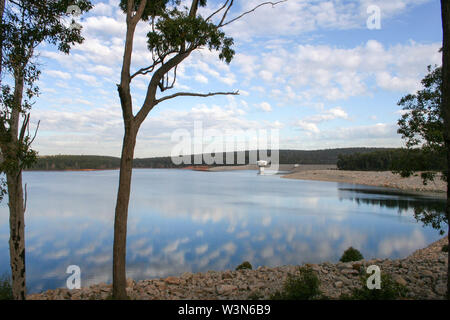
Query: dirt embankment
[(371, 178)]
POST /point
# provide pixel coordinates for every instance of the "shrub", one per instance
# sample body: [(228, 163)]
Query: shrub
[(304, 286), (445, 248), (244, 265), (5, 288), (390, 290), (351, 254)]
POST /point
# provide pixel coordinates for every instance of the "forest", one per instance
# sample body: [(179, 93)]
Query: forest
[(85, 162), (393, 160)]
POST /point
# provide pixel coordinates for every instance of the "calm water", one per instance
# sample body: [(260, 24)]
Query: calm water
[(182, 220)]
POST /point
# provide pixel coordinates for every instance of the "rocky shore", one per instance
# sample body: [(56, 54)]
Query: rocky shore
[(424, 273), (372, 178)]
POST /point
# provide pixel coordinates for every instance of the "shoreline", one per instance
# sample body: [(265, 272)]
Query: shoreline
[(326, 173), (385, 179), (424, 273)]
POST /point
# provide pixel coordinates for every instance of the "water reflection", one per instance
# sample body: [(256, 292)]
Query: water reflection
[(183, 220), (428, 209)]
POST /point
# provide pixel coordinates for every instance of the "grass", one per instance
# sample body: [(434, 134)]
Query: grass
[(390, 290), (304, 286)]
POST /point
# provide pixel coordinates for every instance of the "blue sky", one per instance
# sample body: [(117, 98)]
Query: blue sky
[(309, 68)]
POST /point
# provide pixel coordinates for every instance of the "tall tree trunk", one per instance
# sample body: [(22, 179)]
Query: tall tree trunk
[(121, 215), (15, 195), (2, 9), (445, 7), (17, 235)]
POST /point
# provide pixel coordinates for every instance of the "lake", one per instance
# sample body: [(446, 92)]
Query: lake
[(189, 221)]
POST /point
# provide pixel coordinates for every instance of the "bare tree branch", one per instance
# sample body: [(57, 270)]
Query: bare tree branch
[(25, 199), (221, 24), (35, 132), (192, 94), (164, 84), (144, 71), (217, 11), (156, 62), (26, 120), (137, 16), (226, 12)]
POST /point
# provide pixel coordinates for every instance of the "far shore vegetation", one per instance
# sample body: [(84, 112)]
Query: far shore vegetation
[(371, 159)]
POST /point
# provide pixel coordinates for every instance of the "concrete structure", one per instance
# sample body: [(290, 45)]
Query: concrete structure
[(261, 165)]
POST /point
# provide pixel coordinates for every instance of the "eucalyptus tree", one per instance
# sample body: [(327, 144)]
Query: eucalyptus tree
[(426, 124), (422, 124), (25, 25), (176, 32)]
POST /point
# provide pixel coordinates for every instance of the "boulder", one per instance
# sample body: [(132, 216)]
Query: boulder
[(225, 289), (172, 280)]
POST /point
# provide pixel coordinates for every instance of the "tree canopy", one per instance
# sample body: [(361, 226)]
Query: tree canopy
[(422, 124), (422, 128), (24, 25)]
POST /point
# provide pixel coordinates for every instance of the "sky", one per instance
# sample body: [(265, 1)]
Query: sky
[(311, 70)]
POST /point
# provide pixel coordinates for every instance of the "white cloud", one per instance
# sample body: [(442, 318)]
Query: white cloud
[(102, 9), (265, 106), (244, 93), (201, 249), (201, 78), (277, 67), (229, 247), (331, 114), (306, 72), (308, 126), (58, 74), (362, 133), (103, 70), (393, 83), (88, 79), (266, 75), (229, 79), (103, 25), (100, 129), (297, 17)]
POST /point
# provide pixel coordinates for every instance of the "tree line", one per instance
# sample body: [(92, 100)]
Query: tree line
[(84, 162), (393, 160)]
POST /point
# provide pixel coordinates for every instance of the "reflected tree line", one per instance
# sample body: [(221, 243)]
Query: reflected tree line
[(429, 211)]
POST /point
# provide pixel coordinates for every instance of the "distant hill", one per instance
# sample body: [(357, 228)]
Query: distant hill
[(84, 162), (75, 162)]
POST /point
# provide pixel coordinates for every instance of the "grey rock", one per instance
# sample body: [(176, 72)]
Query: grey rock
[(225, 289), (349, 272)]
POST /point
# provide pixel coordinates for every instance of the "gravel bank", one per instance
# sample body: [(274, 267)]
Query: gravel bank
[(371, 178), (424, 273)]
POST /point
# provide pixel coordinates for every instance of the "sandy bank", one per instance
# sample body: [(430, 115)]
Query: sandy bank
[(371, 178), (281, 167)]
